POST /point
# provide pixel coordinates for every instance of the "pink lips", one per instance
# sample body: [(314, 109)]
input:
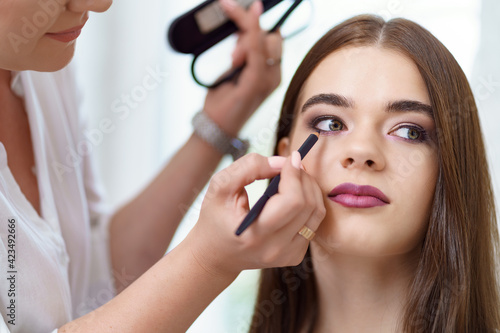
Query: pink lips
[(66, 36), (358, 196)]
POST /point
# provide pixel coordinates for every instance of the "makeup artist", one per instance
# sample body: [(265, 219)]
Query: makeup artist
[(62, 254)]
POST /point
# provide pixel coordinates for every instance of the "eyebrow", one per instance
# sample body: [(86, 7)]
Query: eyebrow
[(342, 101), (329, 99), (410, 105)]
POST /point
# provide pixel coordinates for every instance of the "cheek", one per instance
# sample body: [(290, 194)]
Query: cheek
[(413, 177), (412, 183), (28, 49), (24, 26), (321, 159)]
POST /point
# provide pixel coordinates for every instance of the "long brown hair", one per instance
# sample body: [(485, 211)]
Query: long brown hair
[(455, 287)]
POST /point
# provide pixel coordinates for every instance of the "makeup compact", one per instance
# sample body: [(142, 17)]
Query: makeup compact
[(204, 26)]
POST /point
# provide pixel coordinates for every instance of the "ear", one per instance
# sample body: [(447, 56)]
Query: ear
[(284, 147)]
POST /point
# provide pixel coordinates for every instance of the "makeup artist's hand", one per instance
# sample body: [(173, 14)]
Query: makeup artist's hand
[(273, 239), (231, 104)]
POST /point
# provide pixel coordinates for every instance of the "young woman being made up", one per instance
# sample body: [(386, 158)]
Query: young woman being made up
[(410, 238)]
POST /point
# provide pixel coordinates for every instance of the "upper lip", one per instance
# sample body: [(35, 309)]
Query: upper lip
[(80, 27), (359, 190)]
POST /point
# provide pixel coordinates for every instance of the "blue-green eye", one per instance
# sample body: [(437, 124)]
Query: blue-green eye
[(327, 124), (410, 133)]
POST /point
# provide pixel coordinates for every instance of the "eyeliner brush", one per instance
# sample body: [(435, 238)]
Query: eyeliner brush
[(272, 189)]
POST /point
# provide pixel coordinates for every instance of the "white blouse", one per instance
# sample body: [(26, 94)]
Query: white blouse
[(54, 267)]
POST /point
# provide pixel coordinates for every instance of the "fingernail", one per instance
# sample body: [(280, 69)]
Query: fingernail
[(258, 7), (276, 162), (296, 160)]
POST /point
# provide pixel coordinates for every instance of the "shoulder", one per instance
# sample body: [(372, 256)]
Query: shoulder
[(55, 99), (65, 93), (65, 82)]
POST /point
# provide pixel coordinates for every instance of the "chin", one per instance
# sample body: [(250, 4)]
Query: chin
[(366, 245), (44, 61), (55, 63), (53, 67)]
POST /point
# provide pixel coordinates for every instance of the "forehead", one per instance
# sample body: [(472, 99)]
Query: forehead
[(366, 74)]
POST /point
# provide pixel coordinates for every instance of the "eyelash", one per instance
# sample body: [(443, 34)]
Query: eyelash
[(313, 124), (422, 133)]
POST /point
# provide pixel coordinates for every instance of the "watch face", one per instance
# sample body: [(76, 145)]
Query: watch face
[(240, 147)]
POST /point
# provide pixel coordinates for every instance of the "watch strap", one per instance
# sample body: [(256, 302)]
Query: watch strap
[(206, 129)]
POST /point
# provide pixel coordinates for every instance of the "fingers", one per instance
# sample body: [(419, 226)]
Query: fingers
[(246, 170), (299, 202), (239, 55), (244, 20), (248, 25), (256, 48), (274, 45), (270, 47), (320, 210)]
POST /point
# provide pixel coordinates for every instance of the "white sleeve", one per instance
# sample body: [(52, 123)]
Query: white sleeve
[(101, 277), (95, 286), (5, 329), (101, 284)]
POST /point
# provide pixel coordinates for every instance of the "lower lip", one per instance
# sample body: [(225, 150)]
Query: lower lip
[(65, 37), (357, 201)]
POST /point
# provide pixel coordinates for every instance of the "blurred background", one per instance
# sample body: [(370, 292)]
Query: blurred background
[(120, 49)]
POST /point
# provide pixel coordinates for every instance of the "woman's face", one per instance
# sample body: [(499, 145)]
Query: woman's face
[(376, 159), (41, 34)]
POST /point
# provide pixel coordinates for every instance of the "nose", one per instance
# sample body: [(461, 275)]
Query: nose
[(80, 6), (362, 150)]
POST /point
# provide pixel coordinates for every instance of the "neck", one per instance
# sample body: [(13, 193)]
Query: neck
[(361, 294), (5, 78)]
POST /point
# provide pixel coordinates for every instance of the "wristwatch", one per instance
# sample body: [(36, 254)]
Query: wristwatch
[(207, 130)]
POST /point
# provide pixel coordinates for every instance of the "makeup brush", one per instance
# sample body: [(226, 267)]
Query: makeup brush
[(272, 189)]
